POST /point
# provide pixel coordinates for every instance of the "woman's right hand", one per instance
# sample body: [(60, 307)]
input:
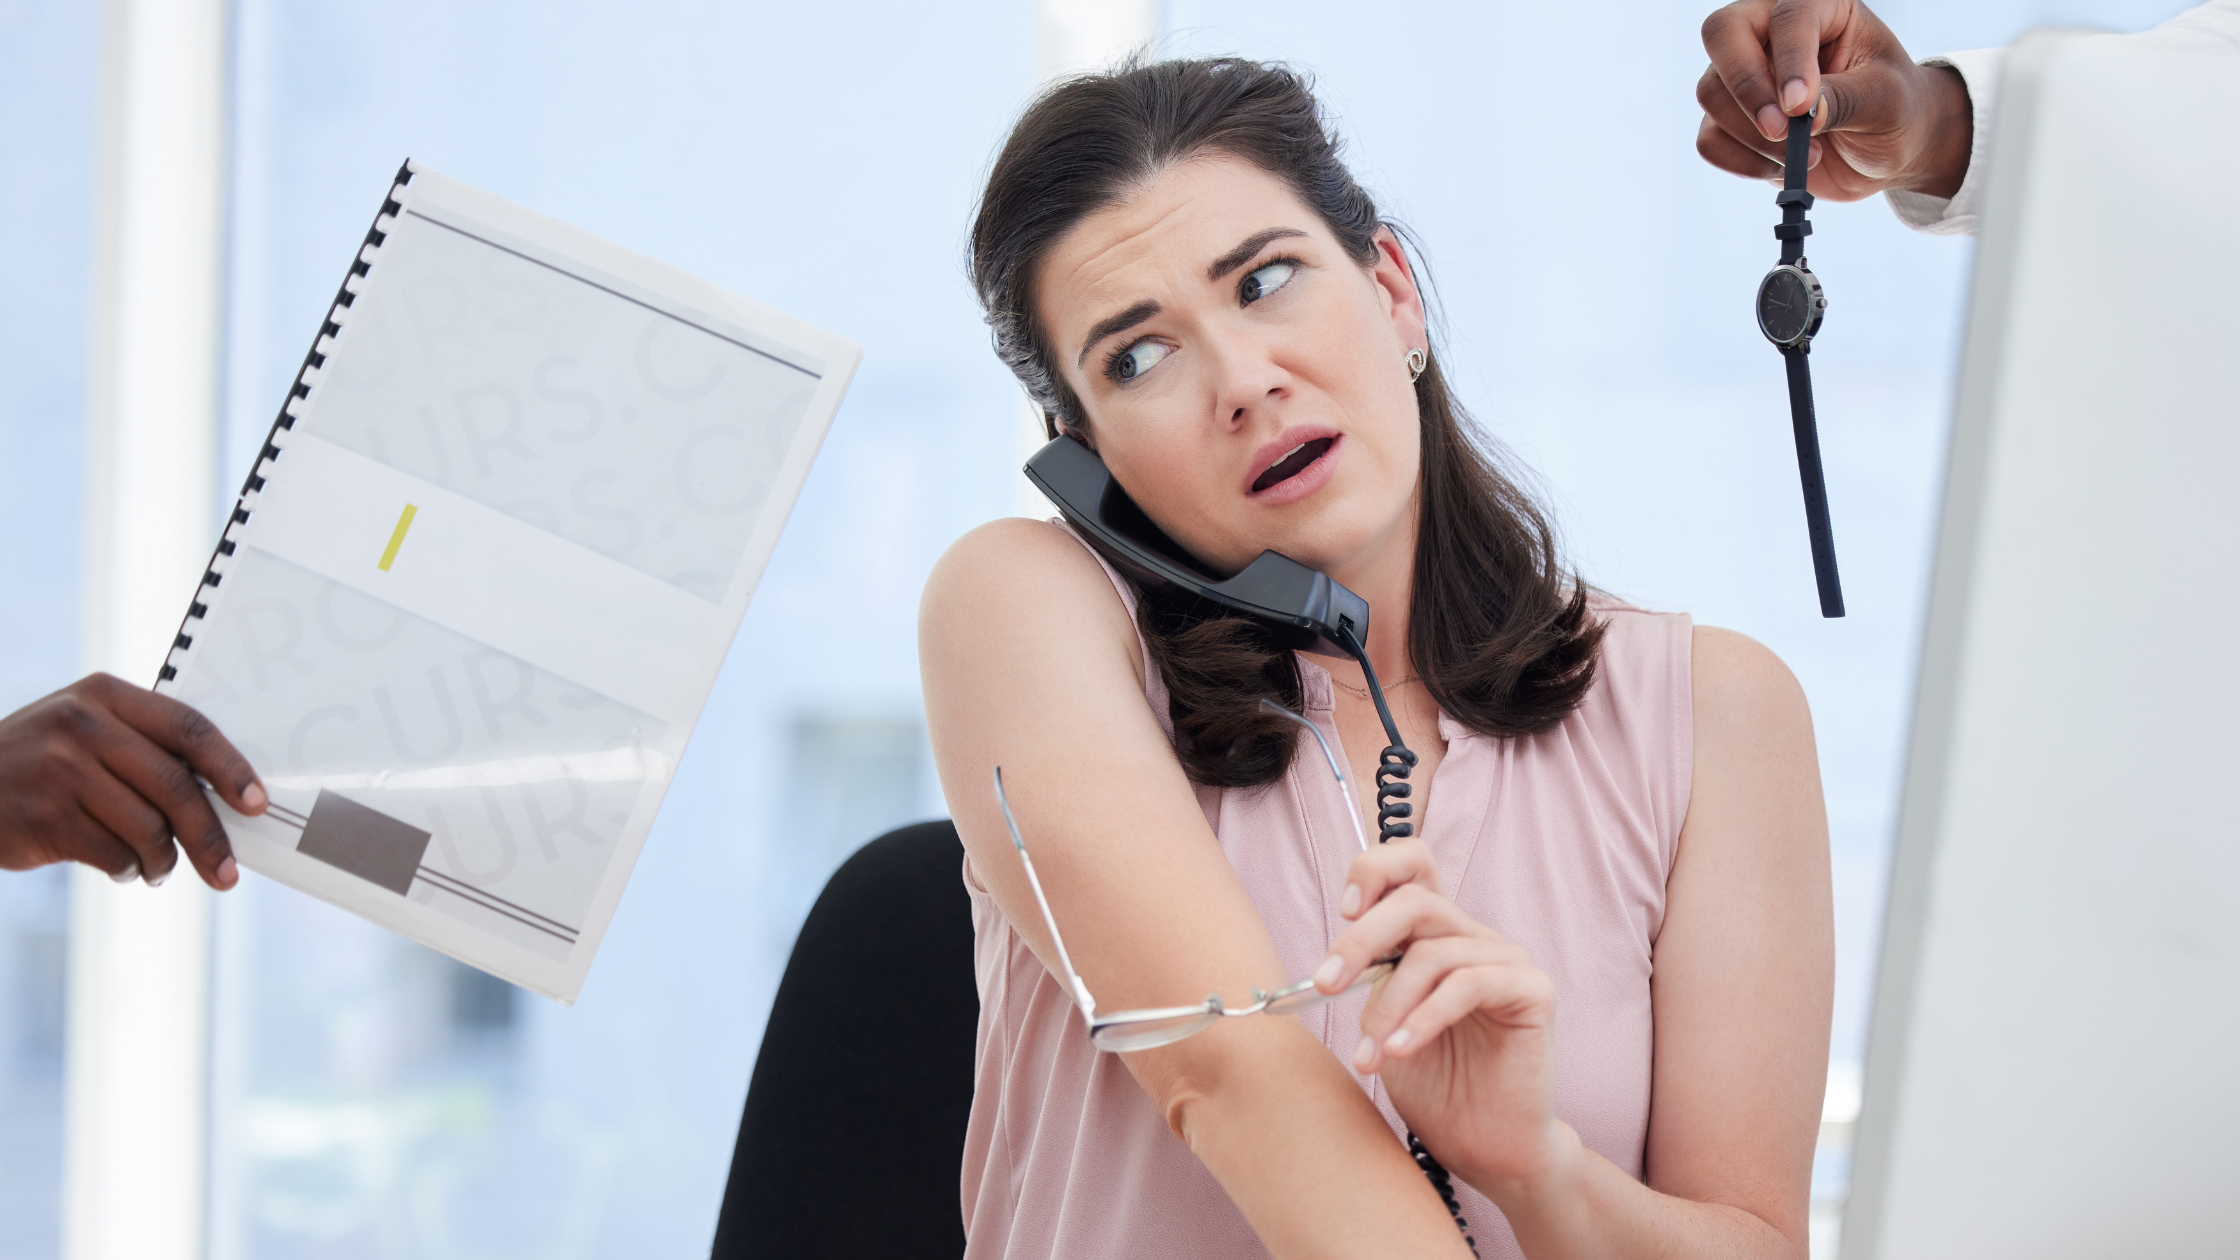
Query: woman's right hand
[(1462, 1031), (1886, 122)]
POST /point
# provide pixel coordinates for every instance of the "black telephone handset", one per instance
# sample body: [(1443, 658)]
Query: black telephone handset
[(1313, 613), (1309, 612)]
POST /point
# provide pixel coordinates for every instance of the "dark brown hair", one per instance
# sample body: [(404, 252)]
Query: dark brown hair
[(1499, 633)]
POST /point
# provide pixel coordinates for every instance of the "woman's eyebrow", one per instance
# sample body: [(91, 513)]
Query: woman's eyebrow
[(1244, 252), (1111, 324), (1141, 311)]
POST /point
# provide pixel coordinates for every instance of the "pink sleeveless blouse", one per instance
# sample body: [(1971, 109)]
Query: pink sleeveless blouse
[(1560, 841)]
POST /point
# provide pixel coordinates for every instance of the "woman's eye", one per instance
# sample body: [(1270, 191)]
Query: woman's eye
[(1267, 280), (1137, 359)]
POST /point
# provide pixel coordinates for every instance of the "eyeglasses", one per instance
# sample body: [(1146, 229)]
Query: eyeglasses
[(1145, 1029)]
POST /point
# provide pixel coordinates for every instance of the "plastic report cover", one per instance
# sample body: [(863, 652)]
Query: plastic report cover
[(469, 606)]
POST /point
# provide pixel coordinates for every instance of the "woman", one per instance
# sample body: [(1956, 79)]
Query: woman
[(1610, 1021)]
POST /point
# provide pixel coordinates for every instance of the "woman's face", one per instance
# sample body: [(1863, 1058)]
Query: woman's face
[(1244, 379)]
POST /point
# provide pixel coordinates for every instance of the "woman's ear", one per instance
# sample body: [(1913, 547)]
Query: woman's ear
[(1396, 282), (1059, 429)]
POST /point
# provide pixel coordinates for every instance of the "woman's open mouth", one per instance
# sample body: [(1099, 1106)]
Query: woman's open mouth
[(1293, 463)]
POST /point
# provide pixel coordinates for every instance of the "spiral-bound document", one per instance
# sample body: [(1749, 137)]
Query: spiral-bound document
[(488, 564)]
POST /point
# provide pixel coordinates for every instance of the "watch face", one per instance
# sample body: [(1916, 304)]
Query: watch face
[(1789, 305)]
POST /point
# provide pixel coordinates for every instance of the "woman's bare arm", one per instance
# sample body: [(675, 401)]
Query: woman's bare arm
[(1030, 662), (1744, 983)]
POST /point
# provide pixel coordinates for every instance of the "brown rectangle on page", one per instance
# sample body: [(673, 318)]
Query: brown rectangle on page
[(363, 841)]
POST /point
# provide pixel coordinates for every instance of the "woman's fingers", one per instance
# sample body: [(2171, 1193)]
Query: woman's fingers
[(1420, 971), (1510, 989), (1384, 868), (1409, 913)]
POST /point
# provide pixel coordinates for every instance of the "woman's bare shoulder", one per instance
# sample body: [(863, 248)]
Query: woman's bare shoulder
[(1012, 552), (1757, 769), (1738, 679), (1026, 583)]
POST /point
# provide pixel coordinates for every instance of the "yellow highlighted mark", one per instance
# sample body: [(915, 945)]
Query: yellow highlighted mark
[(396, 539)]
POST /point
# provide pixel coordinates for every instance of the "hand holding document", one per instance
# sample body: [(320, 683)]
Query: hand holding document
[(469, 606)]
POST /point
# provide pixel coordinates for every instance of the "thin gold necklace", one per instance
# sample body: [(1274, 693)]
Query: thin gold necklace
[(1363, 692)]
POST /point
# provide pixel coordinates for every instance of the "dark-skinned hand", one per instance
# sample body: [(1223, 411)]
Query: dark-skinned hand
[(1885, 123), (104, 773)]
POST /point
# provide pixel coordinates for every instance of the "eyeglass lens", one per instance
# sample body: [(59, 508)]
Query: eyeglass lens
[(1149, 1033)]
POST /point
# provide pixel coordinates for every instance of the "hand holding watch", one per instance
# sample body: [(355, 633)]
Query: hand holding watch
[(1790, 308)]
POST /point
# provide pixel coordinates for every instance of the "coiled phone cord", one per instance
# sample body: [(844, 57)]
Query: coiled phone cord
[(1394, 766), (1396, 763)]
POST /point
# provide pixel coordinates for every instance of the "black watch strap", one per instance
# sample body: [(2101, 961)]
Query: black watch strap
[(1816, 523), (1794, 201)]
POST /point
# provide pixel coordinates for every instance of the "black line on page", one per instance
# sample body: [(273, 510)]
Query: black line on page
[(446, 882), (473, 901), (419, 214), (463, 890)]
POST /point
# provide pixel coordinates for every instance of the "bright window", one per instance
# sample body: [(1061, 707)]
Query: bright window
[(46, 139)]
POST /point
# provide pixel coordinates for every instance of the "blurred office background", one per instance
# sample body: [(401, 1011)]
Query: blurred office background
[(368, 1098)]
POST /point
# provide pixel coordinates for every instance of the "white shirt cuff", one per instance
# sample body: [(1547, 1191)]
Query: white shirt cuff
[(1958, 214)]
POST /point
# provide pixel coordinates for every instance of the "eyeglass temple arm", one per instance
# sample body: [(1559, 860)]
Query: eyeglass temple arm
[(1353, 807), (1081, 993)]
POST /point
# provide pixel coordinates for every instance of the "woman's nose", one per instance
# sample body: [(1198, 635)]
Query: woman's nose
[(1247, 378)]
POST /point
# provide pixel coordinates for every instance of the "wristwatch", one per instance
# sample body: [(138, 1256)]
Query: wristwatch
[(1790, 308)]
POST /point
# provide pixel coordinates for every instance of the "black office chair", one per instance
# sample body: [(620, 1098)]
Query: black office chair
[(854, 1126)]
